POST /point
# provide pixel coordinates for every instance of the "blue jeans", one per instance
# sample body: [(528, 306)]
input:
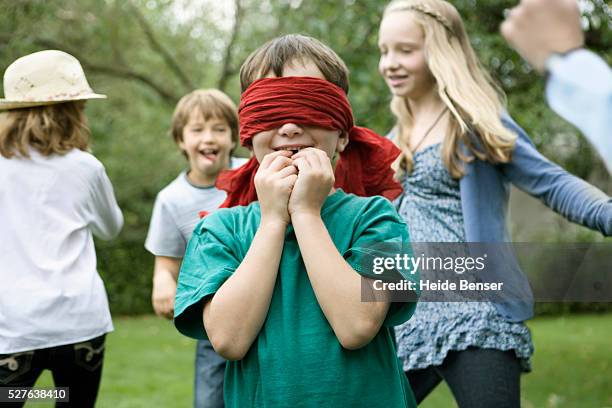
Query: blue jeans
[(209, 374)]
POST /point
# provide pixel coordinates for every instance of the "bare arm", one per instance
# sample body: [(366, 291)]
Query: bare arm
[(336, 284), (165, 275), (234, 315)]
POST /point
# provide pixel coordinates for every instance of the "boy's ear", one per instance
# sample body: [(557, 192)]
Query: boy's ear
[(343, 140), (181, 146)]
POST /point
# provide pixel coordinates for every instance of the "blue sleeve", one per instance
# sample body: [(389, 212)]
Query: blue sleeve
[(381, 233), (212, 256), (579, 88), (566, 194)]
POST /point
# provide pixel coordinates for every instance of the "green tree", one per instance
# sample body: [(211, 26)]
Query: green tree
[(145, 54)]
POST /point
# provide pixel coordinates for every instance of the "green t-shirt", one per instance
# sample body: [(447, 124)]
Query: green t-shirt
[(296, 360)]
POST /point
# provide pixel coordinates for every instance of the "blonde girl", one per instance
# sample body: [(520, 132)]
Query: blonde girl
[(460, 152)]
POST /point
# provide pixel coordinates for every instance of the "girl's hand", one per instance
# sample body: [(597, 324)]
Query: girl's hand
[(274, 181), (315, 180)]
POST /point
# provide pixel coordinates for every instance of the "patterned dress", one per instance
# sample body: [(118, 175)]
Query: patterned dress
[(431, 206)]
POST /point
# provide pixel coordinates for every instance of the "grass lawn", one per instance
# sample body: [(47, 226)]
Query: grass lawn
[(148, 364)]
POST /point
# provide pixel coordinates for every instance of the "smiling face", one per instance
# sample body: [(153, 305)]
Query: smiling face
[(207, 144), (402, 56), (294, 137)]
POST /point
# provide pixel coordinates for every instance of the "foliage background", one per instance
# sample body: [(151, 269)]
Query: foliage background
[(145, 54)]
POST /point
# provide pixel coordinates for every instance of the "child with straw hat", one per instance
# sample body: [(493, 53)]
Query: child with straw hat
[(55, 195)]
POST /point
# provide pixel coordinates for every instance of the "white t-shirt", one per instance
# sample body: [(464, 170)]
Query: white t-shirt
[(50, 291), (175, 213)]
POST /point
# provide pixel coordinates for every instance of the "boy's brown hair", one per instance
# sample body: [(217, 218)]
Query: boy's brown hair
[(277, 53), (211, 103), (50, 129)]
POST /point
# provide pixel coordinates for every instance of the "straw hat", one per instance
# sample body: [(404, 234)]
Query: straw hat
[(45, 78)]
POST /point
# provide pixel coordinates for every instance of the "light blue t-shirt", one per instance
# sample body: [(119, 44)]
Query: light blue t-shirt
[(175, 213)]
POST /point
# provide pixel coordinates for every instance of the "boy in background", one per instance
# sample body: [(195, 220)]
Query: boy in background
[(205, 128)]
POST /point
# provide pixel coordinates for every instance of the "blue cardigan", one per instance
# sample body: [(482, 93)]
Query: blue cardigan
[(485, 191)]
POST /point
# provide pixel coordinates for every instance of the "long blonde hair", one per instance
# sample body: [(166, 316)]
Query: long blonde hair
[(51, 129), (474, 100)]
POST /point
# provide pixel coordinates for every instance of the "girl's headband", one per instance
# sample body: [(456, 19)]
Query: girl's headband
[(428, 11)]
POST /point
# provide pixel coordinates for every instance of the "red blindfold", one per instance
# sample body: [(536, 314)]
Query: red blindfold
[(363, 168)]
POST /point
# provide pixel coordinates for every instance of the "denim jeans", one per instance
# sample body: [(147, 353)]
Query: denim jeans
[(77, 366), (209, 374)]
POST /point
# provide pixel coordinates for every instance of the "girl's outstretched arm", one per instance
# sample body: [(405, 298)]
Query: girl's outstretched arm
[(566, 194)]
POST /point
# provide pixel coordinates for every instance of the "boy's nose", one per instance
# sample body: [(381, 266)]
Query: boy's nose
[(207, 136), (290, 130)]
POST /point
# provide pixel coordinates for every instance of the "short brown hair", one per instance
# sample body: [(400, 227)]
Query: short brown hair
[(211, 103), (275, 54), (50, 129)]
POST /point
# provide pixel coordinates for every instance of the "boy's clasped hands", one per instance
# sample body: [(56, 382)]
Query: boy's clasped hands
[(293, 184)]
